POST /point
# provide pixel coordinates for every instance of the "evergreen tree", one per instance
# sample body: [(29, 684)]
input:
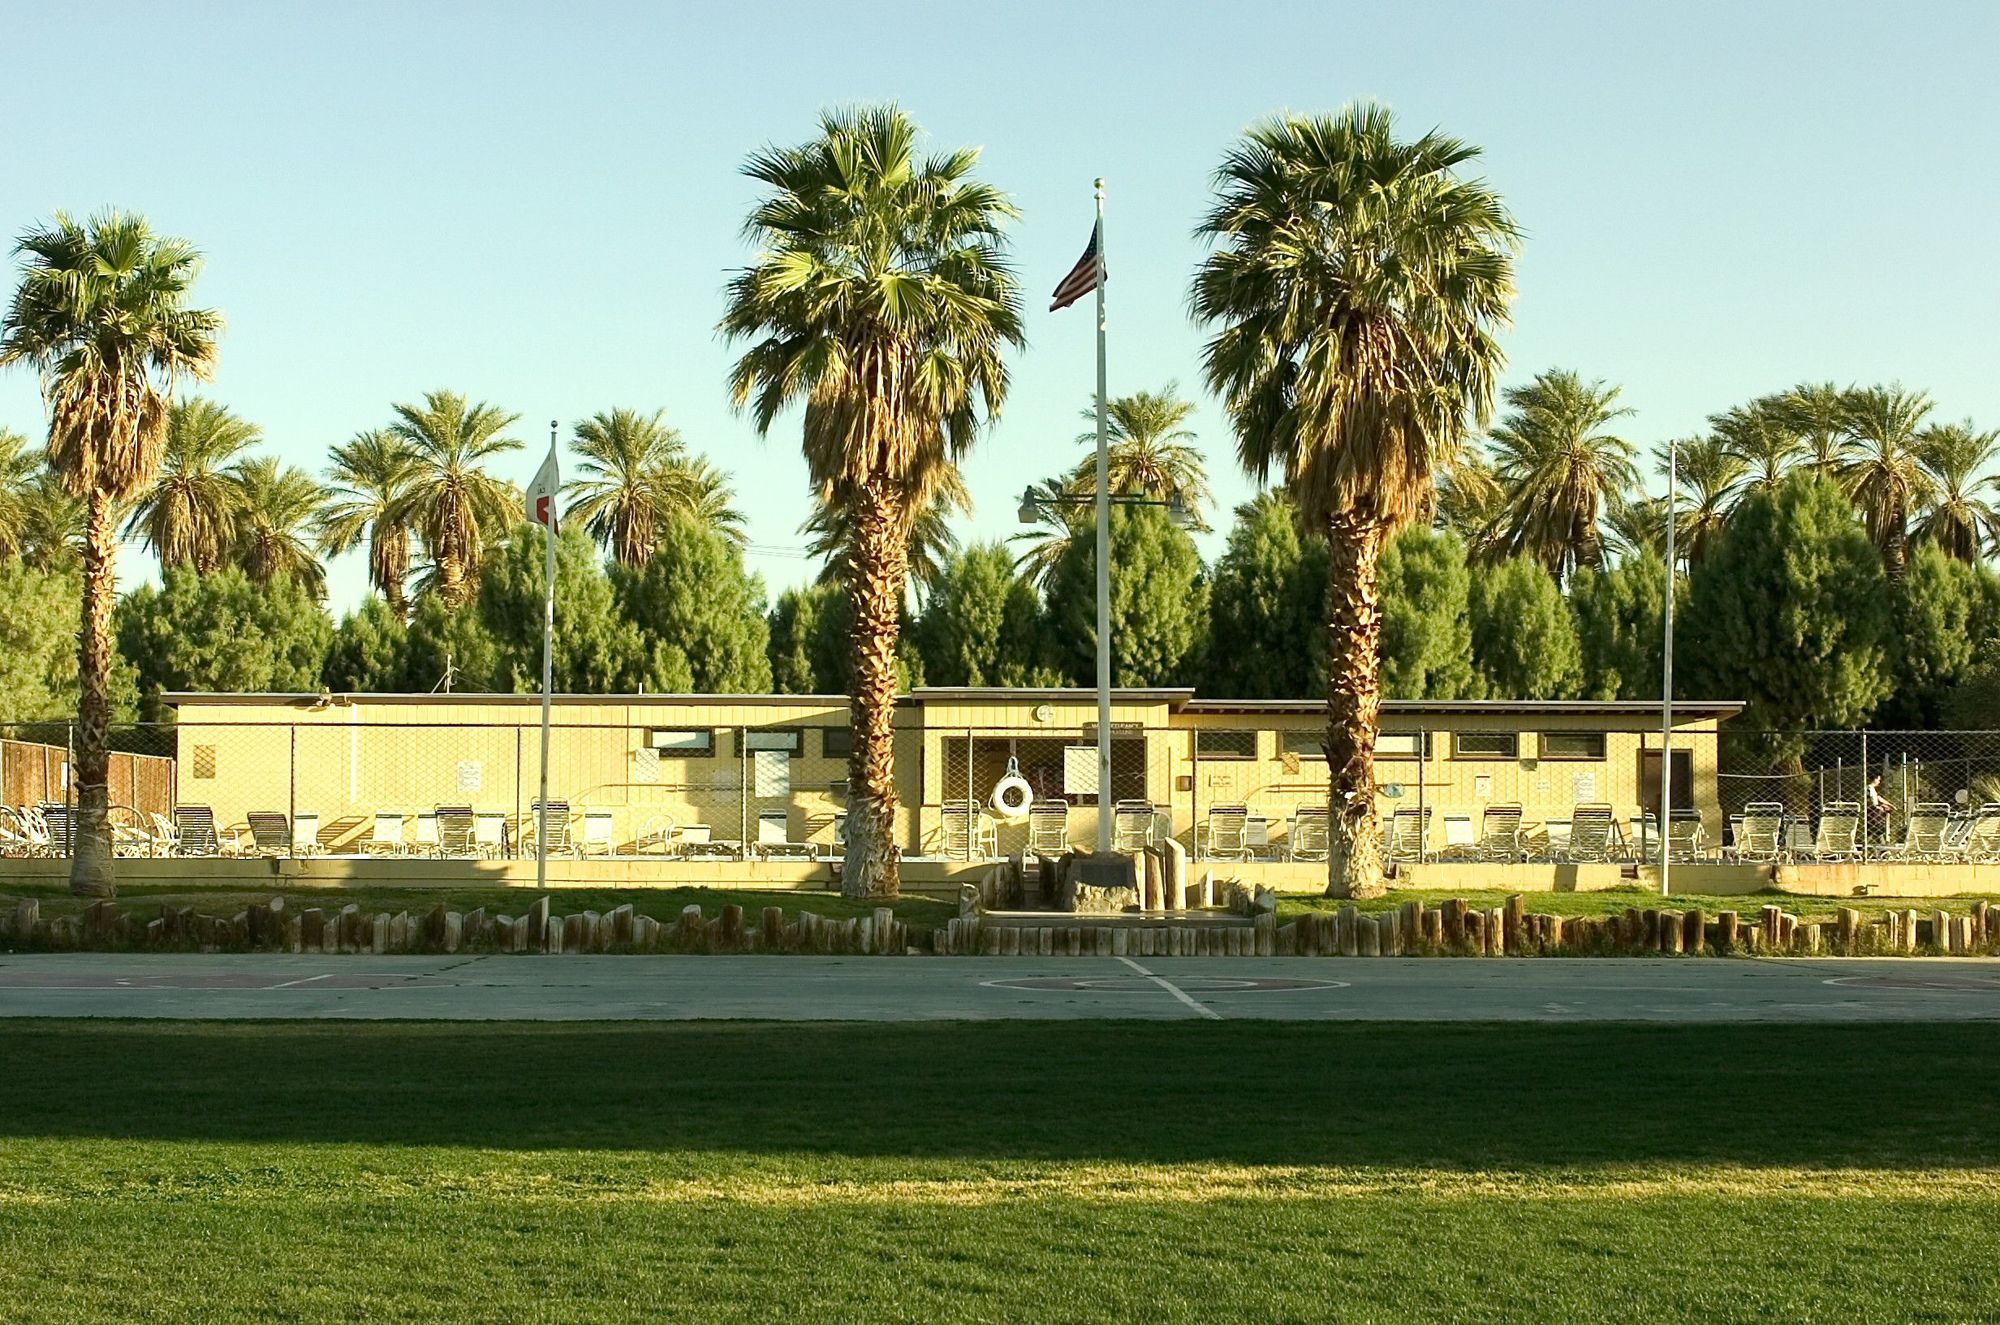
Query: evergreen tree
[(1619, 618), (1524, 638), (791, 627), (38, 648), (981, 624), (1426, 624), (1258, 607), (597, 649), (221, 632), (1789, 613), (1942, 616), (698, 608), (1158, 609), (451, 651), (368, 650)]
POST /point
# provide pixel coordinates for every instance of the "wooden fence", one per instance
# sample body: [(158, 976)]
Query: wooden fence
[(33, 773)]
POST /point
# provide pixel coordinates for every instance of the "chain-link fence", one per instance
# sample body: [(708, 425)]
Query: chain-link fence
[(1881, 796), (441, 789), (1010, 791)]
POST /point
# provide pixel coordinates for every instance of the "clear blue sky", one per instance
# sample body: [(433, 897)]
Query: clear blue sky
[(538, 205)]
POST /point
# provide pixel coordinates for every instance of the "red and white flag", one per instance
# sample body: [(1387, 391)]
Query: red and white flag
[(542, 492), (1082, 278)]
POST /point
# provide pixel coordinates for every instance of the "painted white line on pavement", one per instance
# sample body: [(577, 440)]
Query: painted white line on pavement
[(1173, 989), (293, 984)]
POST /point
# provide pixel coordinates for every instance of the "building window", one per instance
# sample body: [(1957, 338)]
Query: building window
[(1486, 745), (1311, 744), (204, 762), (681, 743), (836, 742), (791, 740), (1306, 744), (1573, 745), (1217, 743)]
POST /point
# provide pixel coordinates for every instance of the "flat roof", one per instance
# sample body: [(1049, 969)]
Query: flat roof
[(1177, 699)]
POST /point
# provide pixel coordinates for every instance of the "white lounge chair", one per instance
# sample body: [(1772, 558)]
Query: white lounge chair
[(1591, 834), (1048, 828), (599, 834), (489, 835), (967, 834), (1500, 833), (1409, 834), (1760, 832), (1133, 823), (1224, 832), (1839, 834), (1309, 837), (386, 837)]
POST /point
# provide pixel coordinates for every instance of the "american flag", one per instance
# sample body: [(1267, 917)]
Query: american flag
[(1082, 278)]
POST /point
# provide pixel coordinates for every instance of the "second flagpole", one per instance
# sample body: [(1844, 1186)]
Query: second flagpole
[(548, 672)]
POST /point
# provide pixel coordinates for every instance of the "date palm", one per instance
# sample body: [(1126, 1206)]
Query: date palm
[(696, 488), (52, 524), (1816, 414), (19, 466), (1561, 467), (1764, 436), (276, 536), (1881, 468), (1148, 452), (373, 476), (881, 300), (1635, 526), (1356, 287), (103, 315), (190, 515), (1471, 503), (1960, 518), (622, 495), (456, 507), (1710, 478)]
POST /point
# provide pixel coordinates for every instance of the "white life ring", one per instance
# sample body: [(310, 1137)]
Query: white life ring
[(1011, 794)]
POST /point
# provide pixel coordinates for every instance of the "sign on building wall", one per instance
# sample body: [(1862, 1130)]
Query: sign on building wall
[(1080, 770), (468, 775)]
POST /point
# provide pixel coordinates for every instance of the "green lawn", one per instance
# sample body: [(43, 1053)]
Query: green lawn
[(1006, 1172), (1614, 901), (661, 903)]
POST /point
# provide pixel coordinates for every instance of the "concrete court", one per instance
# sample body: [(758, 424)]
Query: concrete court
[(898, 989)]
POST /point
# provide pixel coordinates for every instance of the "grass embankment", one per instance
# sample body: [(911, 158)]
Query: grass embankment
[(1615, 901), (1001, 1172), (662, 904)]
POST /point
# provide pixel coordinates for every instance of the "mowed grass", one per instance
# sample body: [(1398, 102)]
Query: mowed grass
[(1005, 1172), (661, 903), (1615, 901)]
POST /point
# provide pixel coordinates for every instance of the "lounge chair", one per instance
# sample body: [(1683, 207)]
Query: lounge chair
[(656, 836), (194, 831), (386, 838), (1224, 832), (19, 836), (61, 826), (560, 842), (967, 833), (1686, 837), (1257, 837), (270, 833), (695, 840), (1499, 834), (1924, 834), (454, 827), (1760, 833), (1982, 843), (166, 837), (305, 835), (1592, 835), (1410, 833), (1839, 834), (1309, 837), (774, 838), (1133, 824), (489, 835), (1460, 841), (599, 834), (425, 839), (1048, 828)]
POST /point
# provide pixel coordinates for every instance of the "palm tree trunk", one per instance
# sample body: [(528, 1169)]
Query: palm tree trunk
[(1895, 543), (875, 590), (1353, 705), (90, 867)]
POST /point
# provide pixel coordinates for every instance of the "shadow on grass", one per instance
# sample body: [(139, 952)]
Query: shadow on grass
[(1470, 1096)]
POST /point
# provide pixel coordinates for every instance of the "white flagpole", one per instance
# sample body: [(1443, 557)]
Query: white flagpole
[(1667, 679), (548, 672), (1104, 802)]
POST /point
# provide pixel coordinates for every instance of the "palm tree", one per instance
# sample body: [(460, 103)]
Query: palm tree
[(102, 315), (933, 534), (1059, 518), (1636, 526), (456, 507), (1960, 519), (1711, 477), (1561, 468), (189, 517), (1816, 414), (1147, 452), (1763, 436), (622, 496), (1357, 286), (699, 490), (19, 467), (276, 536), (882, 300), (1880, 467), (374, 476), (52, 524), (1470, 502)]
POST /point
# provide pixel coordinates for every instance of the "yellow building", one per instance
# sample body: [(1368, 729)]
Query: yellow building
[(691, 775)]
